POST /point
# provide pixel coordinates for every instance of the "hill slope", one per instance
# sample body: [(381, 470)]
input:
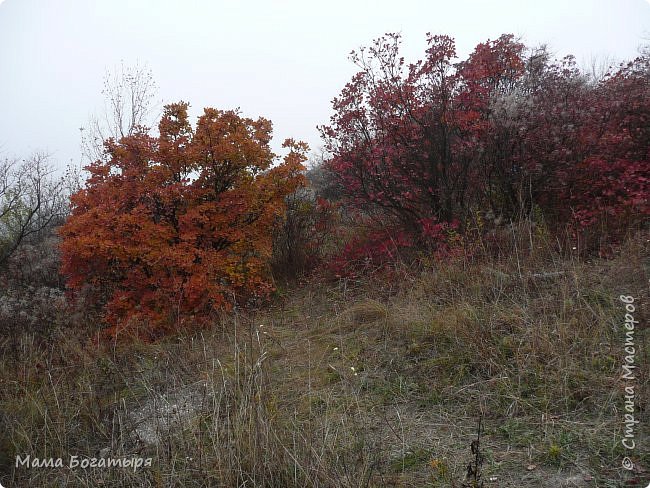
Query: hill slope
[(374, 382)]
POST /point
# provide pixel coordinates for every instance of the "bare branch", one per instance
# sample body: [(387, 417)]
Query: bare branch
[(129, 92), (32, 199)]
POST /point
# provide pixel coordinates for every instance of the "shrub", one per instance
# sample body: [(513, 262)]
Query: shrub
[(171, 229), (302, 237), (505, 131)]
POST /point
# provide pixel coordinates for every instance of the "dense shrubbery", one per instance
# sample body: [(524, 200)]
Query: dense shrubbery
[(503, 132), (422, 159)]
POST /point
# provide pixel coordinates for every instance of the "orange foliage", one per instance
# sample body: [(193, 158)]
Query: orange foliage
[(169, 230)]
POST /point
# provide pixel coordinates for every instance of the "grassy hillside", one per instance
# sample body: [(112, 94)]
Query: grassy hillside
[(379, 381)]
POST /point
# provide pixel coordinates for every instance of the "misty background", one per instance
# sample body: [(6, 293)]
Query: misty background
[(284, 60)]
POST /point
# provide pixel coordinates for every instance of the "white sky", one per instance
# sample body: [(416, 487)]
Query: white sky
[(283, 59)]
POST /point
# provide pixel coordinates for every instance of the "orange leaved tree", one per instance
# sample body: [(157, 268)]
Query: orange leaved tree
[(170, 229)]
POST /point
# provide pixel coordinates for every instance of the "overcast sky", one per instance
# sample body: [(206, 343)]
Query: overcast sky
[(284, 60)]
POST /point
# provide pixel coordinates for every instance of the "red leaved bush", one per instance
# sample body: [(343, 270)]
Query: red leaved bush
[(504, 131), (364, 254), (170, 229), (379, 248), (611, 185)]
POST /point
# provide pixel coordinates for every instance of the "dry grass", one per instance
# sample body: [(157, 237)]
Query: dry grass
[(375, 383)]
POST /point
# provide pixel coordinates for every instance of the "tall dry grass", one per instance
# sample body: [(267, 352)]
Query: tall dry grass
[(366, 382)]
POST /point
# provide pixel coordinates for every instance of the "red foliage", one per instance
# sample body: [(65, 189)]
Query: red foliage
[(363, 254), (586, 151), (506, 130), (612, 184), (170, 229), (382, 247), (404, 140)]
